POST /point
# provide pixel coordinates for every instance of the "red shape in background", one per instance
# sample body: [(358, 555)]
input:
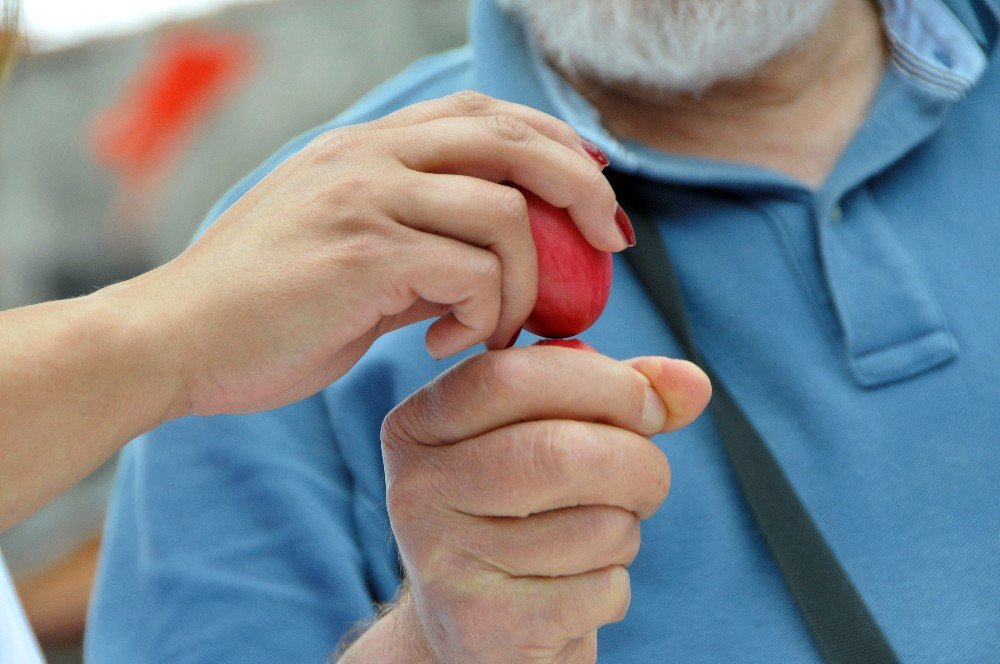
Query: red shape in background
[(184, 80)]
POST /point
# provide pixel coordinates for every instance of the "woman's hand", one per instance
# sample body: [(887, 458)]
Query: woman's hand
[(369, 228)]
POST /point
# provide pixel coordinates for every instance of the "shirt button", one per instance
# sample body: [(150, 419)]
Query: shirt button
[(836, 214)]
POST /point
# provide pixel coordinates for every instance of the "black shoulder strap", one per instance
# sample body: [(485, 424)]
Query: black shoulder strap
[(841, 624)]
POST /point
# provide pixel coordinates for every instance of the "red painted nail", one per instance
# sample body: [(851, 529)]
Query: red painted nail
[(625, 226), (596, 153)]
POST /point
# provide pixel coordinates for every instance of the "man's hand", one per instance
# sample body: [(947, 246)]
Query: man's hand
[(516, 483), (369, 228)]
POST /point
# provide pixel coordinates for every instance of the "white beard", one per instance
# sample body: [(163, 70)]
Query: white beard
[(667, 45)]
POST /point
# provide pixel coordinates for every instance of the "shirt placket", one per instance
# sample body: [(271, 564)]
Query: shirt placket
[(891, 326)]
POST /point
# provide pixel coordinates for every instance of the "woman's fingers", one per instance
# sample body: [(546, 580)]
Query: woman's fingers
[(445, 271), (504, 148), (482, 214), (475, 104)]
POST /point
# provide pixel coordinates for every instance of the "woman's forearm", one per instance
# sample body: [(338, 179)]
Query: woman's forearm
[(78, 379)]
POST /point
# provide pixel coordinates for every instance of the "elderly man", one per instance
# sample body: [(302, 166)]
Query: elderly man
[(824, 174)]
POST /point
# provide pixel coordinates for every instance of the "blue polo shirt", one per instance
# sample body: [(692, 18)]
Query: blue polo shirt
[(857, 324)]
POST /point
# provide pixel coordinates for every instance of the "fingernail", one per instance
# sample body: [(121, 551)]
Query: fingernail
[(625, 226), (596, 153), (513, 339), (654, 412)]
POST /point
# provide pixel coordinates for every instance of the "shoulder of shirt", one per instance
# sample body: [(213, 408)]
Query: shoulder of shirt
[(428, 78)]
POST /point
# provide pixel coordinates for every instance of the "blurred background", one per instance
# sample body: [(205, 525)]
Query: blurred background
[(122, 124)]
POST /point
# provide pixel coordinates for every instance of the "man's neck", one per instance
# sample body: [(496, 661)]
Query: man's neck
[(795, 115)]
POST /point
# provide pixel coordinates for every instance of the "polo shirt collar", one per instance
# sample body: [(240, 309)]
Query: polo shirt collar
[(933, 47)]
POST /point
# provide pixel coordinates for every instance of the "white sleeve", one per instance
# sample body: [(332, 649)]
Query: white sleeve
[(17, 643)]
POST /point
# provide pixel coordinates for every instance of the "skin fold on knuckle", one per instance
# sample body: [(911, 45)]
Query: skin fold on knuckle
[(401, 428), (509, 129), (471, 102), (512, 206)]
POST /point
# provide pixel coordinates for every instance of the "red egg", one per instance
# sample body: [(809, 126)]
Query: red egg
[(575, 344), (574, 278)]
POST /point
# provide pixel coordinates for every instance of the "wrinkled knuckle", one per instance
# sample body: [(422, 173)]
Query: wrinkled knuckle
[(511, 204), (401, 427), (510, 128), (392, 430), (472, 102)]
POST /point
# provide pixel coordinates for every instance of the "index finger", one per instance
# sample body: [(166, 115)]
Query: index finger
[(476, 104)]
